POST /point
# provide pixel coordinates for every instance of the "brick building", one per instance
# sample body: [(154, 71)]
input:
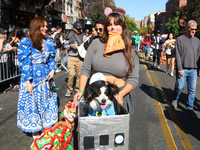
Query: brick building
[(160, 21), (138, 23), (141, 23), (173, 5)]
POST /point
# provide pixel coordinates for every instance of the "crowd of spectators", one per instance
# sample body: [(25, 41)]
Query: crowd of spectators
[(10, 40)]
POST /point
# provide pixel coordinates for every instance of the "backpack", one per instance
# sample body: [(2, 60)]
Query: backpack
[(133, 41)]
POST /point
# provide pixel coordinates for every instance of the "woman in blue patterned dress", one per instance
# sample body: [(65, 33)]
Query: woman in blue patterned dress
[(36, 54)]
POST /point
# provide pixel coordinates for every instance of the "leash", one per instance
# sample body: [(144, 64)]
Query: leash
[(52, 88)]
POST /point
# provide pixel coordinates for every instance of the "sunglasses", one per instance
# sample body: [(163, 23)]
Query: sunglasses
[(100, 29), (193, 29)]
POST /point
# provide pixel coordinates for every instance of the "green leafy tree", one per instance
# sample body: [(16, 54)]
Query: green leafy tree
[(131, 24), (173, 24), (192, 10), (98, 11), (143, 30), (150, 28)]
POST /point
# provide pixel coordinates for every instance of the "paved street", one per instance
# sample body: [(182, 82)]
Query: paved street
[(154, 126)]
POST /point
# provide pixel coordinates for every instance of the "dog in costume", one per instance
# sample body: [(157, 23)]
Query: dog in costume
[(59, 136), (100, 97), (69, 113)]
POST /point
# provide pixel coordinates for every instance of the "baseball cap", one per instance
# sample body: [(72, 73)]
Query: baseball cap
[(77, 25), (53, 29), (10, 29), (97, 77), (147, 35)]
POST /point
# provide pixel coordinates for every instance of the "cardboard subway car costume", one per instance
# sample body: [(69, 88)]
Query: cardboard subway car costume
[(102, 132), (105, 132)]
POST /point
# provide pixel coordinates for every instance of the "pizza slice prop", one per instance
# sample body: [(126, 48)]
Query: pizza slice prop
[(114, 43)]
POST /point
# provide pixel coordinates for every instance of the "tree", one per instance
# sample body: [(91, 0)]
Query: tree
[(98, 11), (192, 10), (143, 30), (150, 28), (131, 24), (173, 24)]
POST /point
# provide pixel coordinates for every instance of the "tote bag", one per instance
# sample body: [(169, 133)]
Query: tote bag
[(81, 49)]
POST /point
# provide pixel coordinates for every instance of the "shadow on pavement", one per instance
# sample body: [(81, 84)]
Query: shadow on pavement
[(188, 125)]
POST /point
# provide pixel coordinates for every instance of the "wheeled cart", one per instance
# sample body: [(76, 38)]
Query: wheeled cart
[(103, 133)]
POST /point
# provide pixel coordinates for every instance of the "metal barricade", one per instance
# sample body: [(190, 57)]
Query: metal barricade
[(61, 59), (9, 68)]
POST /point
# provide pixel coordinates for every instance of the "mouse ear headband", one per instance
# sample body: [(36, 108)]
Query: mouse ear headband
[(120, 10)]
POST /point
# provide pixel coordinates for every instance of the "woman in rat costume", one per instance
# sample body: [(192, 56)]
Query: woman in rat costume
[(114, 56), (37, 107)]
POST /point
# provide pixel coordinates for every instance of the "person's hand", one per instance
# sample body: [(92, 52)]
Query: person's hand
[(4, 49), (50, 75), (74, 46), (198, 72), (155, 42), (119, 98), (30, 88), (65, 52), (86, 38), (1, 39), (77, 96), (181, 72)]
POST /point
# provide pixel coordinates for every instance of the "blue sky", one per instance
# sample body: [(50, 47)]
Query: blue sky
[(141, 8)]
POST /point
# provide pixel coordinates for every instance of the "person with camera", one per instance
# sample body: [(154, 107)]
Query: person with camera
[(74, 61)]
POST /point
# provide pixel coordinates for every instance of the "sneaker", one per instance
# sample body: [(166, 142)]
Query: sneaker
[(171, 74), (174, 104), (57, 70), (191, 113), (154, 64), (158, 66), (68, 94), (167, 72)]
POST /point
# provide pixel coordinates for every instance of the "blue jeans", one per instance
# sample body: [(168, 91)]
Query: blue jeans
[(147, 50), (136, 47), (190, 75)]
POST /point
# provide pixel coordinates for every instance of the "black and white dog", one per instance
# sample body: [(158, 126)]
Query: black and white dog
[(100, 99)]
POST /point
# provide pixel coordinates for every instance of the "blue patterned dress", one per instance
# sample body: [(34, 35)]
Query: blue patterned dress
[(38, 111)]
